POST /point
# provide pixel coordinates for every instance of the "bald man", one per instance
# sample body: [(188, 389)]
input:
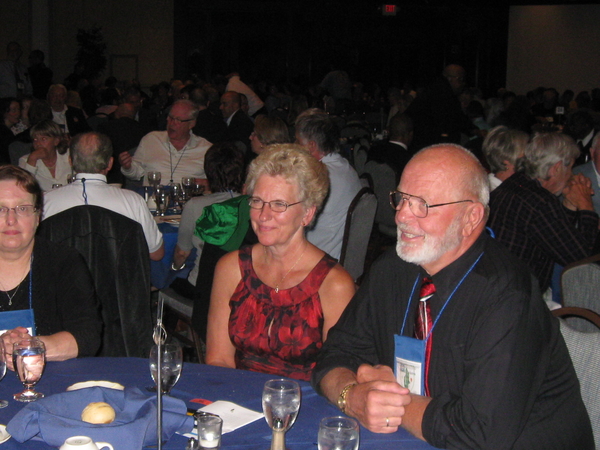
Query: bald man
[(448, 337)]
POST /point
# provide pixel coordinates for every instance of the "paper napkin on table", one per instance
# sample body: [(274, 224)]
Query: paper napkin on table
[(234, 416)]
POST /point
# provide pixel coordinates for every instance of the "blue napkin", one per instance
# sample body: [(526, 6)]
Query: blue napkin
[(55, 418)]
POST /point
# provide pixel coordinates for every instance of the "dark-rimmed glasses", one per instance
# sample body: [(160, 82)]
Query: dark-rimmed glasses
[(178, 120), (275, 205), (20, 210), (417, 205)]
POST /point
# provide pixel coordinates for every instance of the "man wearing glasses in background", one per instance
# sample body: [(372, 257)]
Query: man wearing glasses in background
[(448, 336), (175, 153)]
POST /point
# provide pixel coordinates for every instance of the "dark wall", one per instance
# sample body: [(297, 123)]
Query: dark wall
[(283, 41)]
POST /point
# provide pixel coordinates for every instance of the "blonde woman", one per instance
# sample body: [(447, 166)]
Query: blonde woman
[(49, 160), (273, 303)]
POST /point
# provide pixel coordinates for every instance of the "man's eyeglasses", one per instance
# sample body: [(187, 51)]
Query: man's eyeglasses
[(177, 120), (417, 205), (21, 210), (275, 205)]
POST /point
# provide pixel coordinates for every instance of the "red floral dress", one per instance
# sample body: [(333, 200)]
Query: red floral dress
[(277, 332)]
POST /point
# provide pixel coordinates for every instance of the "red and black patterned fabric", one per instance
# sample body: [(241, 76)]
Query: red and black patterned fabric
[(277, 332)]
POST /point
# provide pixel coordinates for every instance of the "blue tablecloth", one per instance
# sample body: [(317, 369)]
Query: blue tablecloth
[(200, 382)]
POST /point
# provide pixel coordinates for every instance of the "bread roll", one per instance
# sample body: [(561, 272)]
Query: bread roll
[(98, 412)]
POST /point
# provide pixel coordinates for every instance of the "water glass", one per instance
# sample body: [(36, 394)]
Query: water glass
[(338, 433), (3, 403), (29, 360), (154, 178), (172, 361), (281, 403), (210, 427)]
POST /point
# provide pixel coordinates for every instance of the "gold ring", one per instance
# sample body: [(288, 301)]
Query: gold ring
[(387, 421)]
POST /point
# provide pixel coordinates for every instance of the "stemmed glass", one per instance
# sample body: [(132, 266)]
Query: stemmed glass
[(176, 193), (162, 203), (281, 403), (172, 360), (154, 178), (338, 433), (29, 360), (3, 403), (188, 184)]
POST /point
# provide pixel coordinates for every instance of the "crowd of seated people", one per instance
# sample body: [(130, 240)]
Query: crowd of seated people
[(274, 303)]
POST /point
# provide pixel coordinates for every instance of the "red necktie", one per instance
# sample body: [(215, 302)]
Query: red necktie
[(424, 322)]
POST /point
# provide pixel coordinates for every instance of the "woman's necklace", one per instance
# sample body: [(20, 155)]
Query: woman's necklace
[(291, 268), (10, 297)]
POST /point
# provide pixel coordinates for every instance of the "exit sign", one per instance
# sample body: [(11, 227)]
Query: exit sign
[(389, 10)]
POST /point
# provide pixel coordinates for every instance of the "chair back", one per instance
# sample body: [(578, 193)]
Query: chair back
[(359, 223), (116, 252), (580, 284), (360, 155), (583, 348), (384, 181)]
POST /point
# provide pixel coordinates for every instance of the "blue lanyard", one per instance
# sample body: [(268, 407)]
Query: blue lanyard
[(445, 304), (30, 281)]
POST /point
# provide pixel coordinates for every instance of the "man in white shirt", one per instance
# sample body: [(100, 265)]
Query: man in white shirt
[(175, 153), (317, 132), (92, 159)]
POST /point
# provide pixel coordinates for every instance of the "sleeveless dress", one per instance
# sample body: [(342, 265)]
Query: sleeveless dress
[(277, 332)]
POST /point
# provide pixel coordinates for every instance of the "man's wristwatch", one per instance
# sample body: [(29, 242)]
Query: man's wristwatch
[(341, 402), (177, 268)]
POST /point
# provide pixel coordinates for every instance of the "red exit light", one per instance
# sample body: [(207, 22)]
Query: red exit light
[(389, 10)]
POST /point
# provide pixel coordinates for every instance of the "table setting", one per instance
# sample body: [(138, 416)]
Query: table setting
[(160, 402), (199, 386)]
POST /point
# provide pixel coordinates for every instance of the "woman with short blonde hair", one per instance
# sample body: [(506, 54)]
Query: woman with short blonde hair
[(273, 303)]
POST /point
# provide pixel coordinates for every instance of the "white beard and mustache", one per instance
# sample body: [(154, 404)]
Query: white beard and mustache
[(430, 248)]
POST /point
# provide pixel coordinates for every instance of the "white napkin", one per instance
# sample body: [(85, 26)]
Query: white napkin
[(234, 416)]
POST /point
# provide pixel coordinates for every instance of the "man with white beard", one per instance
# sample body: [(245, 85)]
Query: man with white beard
[(448, 336)]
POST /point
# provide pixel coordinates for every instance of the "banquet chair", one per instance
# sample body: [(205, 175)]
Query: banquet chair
[(359, 224), (181, 308), (360, 155), (115, 250), (580, 283), (366, 180), (384, 182), (583, 348)]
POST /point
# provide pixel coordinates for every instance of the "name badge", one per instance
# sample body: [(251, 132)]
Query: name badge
[(19, 318), (409, 367)]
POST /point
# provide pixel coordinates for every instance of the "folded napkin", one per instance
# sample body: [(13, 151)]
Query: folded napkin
[(55, 418)]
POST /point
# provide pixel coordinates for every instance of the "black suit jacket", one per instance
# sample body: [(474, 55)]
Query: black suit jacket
[(76, 121), (125, 135), (239, 129), (116, 252), (393, 155), (210, 127)]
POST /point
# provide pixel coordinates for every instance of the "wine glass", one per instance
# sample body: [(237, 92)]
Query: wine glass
[(175, 192), (162, 203), (338, 433), (154, 178), (172, 360), (281, 402), (188, 184), (3, 403), (29, 360)]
